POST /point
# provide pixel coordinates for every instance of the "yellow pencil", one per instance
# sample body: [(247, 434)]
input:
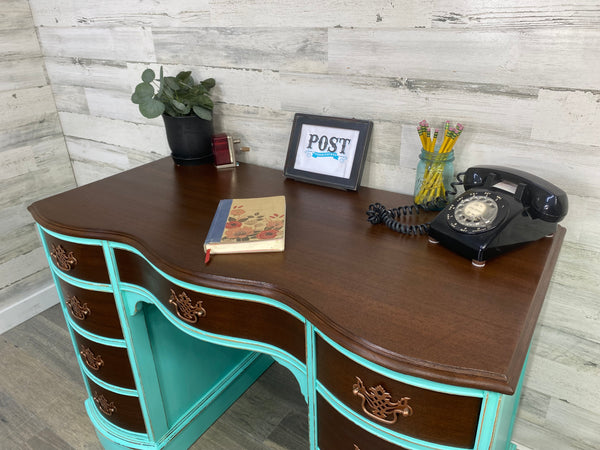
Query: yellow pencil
[(459, 130), (420, 131), (456, 135), (445, 143), (435, 135)]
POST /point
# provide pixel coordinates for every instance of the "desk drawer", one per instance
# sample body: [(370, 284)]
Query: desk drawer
[(93, 310), (122, 410), (428, 415), (78, 260), (110, 364), (219, 315), (336, 432)]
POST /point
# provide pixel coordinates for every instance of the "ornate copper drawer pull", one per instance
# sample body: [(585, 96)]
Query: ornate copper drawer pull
[(377, 404), (63, 259), (184, 308), (92, 361), (79, 310), (104, 405)]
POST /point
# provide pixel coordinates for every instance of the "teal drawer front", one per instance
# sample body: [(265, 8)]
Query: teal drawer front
[(219, 315), (85, 262), (123, 411), (428, 415), (94, 311), (108, 363)]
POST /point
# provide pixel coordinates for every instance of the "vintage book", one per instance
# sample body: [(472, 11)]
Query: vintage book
[(247, 225)]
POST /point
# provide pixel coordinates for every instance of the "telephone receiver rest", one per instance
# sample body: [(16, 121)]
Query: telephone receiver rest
[(543, 200)]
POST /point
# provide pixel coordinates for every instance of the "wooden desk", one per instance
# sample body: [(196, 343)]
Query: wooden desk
[(167, 343)]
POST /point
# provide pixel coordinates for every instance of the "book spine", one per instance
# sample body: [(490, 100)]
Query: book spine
[(215, 232)]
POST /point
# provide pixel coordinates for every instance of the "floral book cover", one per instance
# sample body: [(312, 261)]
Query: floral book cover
[(247, 225)]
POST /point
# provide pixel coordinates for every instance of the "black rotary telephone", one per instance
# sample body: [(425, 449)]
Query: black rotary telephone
[(501, 208)]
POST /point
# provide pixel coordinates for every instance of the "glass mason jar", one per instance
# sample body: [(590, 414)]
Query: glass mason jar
[(435, 172)]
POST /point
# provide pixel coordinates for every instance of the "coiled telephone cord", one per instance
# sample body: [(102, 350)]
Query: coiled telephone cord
[(378, 213)]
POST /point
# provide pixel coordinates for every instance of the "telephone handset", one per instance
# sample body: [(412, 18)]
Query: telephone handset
[(501, 208)]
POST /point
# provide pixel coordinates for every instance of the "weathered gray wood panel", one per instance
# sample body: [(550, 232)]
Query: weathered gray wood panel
[(14, 15), (84, 72), (541, 57), (22, 73), (147, 138), (295, 49), (120, 43), (571, 117), (389, 98), (25, 106), (515, 14), (69, 13), (18, 43), (330, 13), (45, 127)]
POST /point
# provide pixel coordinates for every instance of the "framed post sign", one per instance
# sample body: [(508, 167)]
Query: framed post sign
[(330, 151)]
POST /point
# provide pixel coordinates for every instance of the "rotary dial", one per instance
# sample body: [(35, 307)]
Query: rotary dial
[(475, 213)]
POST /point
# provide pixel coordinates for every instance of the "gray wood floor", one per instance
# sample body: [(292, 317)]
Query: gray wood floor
[(42, 395)]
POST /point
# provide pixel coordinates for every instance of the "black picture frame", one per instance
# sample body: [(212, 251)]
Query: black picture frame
[(329, 151)]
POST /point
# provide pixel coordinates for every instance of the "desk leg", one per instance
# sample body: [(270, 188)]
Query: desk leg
[(508, 415), (311, 369), (496, 429)]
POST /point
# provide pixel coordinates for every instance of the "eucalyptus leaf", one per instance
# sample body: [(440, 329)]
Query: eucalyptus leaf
[(185, 77), (172, 83), (203, 113), (198, 90), (144, 90), (151, 108), (178, 105), (171, 111), (209, 83), (186, 110), (148, 75), (205, 101), (137, 99), (167, 94)]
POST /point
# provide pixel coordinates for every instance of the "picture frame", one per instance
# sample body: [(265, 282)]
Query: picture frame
[(329, 151)]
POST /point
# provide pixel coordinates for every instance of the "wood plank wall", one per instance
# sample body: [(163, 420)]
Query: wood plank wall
[(34, 162), (522, 76)]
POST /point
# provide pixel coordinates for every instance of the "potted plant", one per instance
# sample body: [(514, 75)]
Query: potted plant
[(186, 109)]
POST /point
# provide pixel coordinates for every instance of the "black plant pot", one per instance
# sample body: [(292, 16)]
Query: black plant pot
[(190, 139)]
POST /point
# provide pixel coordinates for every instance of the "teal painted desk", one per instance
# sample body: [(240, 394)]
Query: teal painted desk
[(396, 343)]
